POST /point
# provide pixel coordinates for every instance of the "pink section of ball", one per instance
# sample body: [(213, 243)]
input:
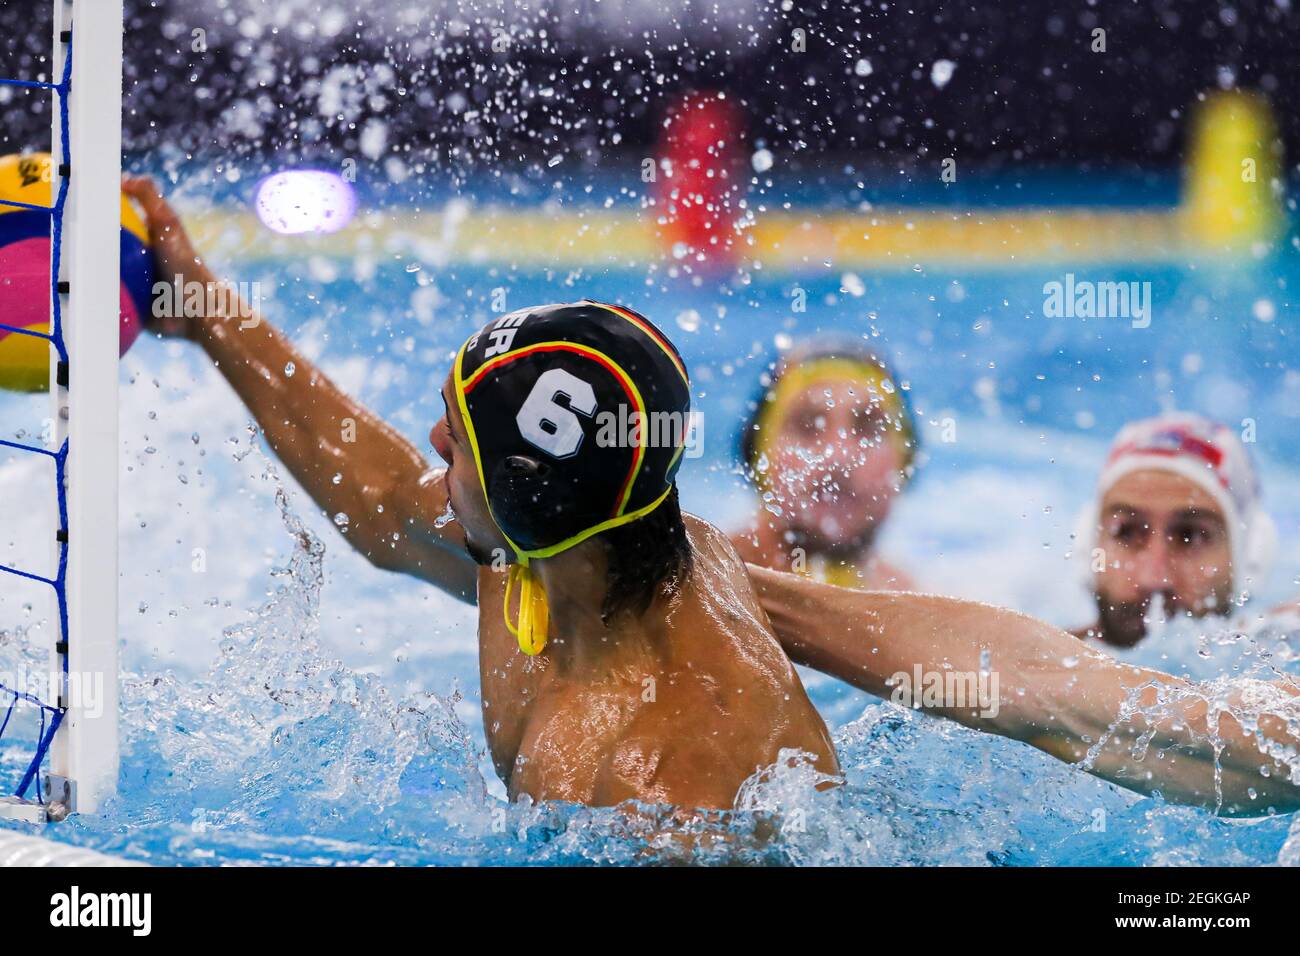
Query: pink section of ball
[(25, 291), (130, 319), (24, 284)]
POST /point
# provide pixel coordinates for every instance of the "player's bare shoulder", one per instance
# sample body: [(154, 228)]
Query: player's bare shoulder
[(712, 551), (721, 612), (719, 576)]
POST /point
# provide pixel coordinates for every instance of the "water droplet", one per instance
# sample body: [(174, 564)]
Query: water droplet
[(446, 518), (688, 320), (941, 72)]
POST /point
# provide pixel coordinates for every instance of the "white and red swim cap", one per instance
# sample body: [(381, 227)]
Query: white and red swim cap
[(1212, 456)]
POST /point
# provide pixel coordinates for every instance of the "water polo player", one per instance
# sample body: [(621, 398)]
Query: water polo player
[(830, 443), (624, 653), (1177, 515), (622, 650)]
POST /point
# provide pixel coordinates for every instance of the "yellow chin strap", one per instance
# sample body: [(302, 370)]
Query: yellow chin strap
[(530, 630), (530, 626)]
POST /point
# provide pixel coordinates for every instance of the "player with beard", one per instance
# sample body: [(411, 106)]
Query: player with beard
[(1177, 517), (622, 651)]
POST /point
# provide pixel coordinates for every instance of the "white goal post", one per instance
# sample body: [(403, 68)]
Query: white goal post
[(84, 753)]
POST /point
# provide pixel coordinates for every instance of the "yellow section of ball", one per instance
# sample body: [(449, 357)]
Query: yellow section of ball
[(28, 178)]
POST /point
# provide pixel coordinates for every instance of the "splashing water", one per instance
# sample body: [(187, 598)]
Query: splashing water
[(281, 754), (1154, 619)]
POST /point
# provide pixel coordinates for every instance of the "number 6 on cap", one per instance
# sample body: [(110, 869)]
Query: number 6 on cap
[(552, 427)]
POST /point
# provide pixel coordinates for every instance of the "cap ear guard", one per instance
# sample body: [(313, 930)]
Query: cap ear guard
[(561, 364), (535, 498), (519, 485), (526, 466)]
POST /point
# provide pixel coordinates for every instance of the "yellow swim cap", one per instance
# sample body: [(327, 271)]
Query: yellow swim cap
[(810, 366)]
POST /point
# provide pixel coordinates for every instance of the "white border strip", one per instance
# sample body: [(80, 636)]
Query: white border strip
[(17, 849)]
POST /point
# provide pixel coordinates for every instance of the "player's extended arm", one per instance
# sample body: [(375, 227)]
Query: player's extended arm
[(349, 460), (1139, 728)]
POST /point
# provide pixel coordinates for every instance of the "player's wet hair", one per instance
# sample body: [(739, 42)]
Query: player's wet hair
[(647, 558)]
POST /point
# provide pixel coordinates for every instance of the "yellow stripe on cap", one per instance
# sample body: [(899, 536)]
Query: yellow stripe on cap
[(629, 383), (654, 336)]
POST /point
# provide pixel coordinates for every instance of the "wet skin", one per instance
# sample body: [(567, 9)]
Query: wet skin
[(576, 722), (679, 705)]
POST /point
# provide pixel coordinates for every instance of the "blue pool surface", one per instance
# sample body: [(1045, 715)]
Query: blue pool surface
[(287, 703)]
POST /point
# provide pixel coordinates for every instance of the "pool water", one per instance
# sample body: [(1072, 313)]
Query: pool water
[(287, 703)]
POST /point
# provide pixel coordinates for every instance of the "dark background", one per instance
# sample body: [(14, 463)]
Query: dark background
[(1027, 89)]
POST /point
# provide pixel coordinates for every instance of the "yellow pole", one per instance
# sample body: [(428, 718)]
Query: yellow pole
[(1230, 204)]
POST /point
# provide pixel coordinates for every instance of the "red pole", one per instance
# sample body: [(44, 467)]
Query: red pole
[(698, 181)]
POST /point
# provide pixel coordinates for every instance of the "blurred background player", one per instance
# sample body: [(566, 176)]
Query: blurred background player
[(1177, 519), (830, 445)]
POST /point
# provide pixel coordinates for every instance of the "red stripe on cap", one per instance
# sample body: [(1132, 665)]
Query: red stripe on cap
[(1187, 445), (648, 330)]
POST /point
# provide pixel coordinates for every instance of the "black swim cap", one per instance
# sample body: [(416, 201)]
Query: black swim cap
[(551, 397)]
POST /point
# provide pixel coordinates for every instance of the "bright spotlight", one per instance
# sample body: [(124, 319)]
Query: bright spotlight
[(301, 201)]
